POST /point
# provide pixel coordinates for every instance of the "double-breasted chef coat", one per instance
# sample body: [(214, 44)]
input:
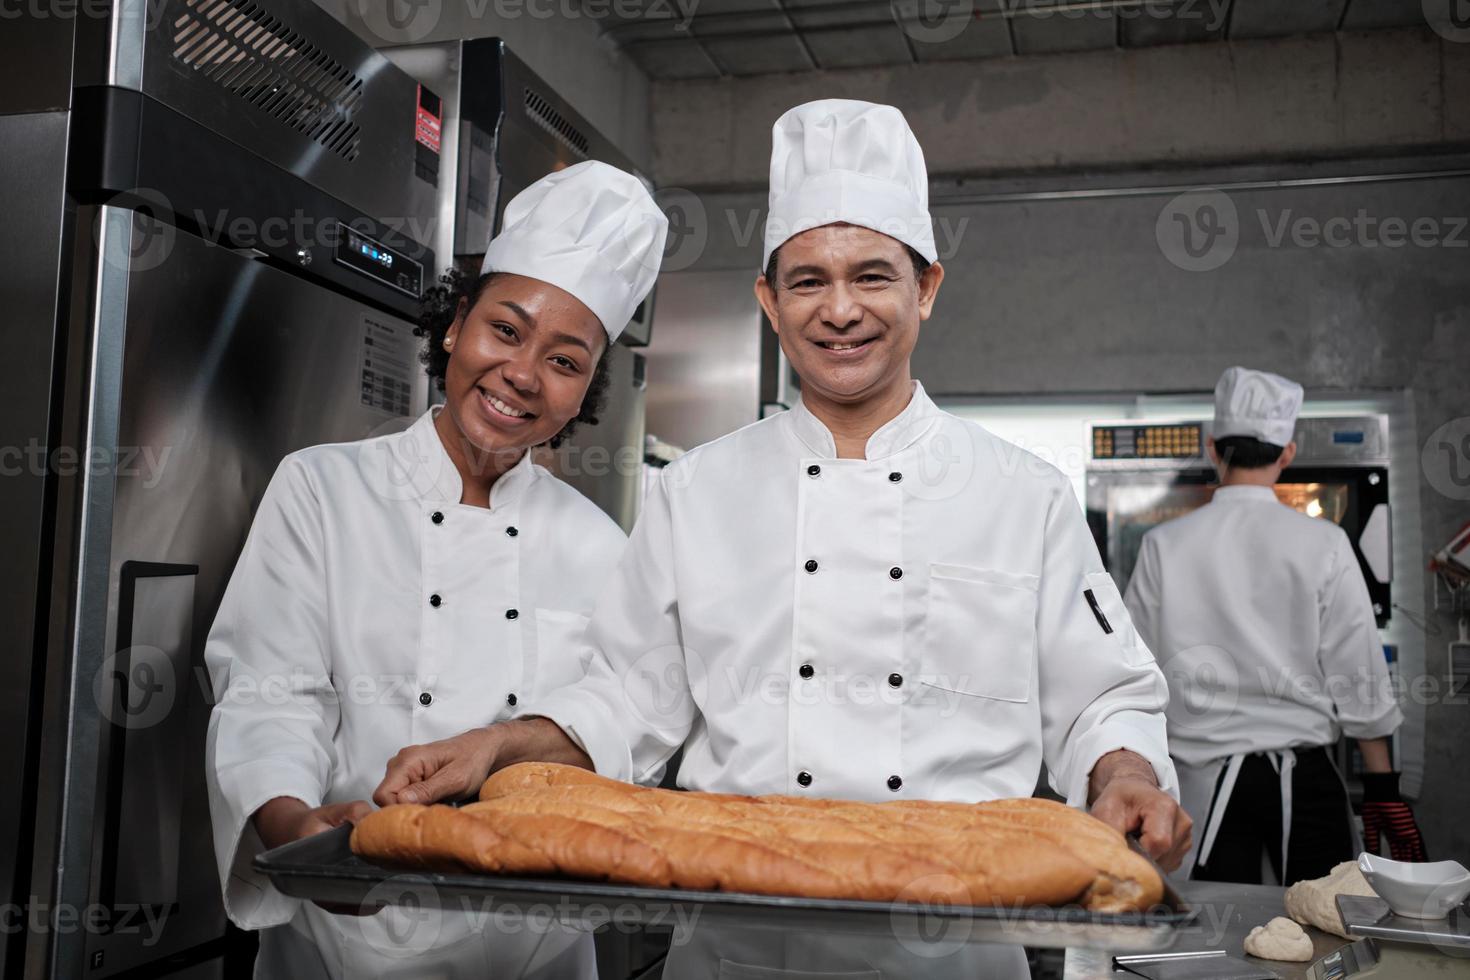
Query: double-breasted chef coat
[(371, 610), (1263, 625), (929, 622)]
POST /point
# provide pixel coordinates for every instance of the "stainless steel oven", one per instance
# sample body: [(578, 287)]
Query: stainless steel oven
[(1142, 474), (206, 269)]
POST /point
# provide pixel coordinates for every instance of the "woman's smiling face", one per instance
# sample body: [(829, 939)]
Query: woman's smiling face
[(520, 361)]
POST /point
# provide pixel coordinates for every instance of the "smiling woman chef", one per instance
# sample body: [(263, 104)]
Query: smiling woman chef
[(408, 587), (863, 597)]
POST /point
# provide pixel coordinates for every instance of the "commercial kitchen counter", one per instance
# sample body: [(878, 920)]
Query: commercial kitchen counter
[(1226, 914)]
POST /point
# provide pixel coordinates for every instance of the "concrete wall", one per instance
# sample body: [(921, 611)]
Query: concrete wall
[(1321, 95), (557, 38)]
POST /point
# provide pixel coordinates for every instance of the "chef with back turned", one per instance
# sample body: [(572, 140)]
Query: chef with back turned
[(1262, 622), (864, 597)]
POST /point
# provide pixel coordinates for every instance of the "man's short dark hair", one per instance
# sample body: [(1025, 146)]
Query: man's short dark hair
[(1247, 452), (920, 264)]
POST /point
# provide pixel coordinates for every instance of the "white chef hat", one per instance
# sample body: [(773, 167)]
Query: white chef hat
[(590, 229), (1257, 404), (839, 160)]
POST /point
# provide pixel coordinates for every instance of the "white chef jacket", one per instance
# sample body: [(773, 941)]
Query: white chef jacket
[(371, 610), (908, 625), (913, 624), (1262, 623)]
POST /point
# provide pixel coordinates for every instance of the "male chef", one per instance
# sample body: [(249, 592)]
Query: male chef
[(1262, 622), (864, 597)]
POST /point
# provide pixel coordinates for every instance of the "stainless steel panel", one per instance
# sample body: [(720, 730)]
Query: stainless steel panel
[(289, 83), (438, 67), (32, 189), (207, 368), (704, 363), (149, 743), (36, 58), (504, 129)]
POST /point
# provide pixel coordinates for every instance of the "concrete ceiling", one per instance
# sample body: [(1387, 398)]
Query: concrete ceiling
[(681, 39)]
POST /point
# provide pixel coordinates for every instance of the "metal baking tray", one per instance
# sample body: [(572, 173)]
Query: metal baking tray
[(324, 869)]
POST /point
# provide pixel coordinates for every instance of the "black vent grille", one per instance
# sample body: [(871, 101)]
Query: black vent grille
[(543, 114), (239, 46)]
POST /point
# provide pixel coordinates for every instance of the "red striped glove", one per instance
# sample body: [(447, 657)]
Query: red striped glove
[(1385, 814)]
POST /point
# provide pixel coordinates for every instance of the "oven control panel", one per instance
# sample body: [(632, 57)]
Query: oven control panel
[(1182, 440)]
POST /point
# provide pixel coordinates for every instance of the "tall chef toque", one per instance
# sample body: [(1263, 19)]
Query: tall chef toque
[(1258, 404), (592, 230), (838, 160)]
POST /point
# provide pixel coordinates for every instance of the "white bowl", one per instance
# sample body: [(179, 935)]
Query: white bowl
[(1419, 891)]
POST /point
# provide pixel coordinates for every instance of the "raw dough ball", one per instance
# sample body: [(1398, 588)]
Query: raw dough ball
[(1279, 939), (1314, 903)]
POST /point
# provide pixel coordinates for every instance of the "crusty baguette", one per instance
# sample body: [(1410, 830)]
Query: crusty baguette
[(540, 818)]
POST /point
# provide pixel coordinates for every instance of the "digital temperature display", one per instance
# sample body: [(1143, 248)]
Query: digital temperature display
[(377, 261), (370, 249)]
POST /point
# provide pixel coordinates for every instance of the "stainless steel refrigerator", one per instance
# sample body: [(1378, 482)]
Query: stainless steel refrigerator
[(504, 127), (205, 269)]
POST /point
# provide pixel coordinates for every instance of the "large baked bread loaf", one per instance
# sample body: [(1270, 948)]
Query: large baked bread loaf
[(541, 819)]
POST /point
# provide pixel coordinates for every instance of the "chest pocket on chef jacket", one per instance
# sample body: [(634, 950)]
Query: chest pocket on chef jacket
[(561, 653), (980, 632)]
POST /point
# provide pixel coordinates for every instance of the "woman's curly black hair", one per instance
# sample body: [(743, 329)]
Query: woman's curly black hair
[(441, 305)]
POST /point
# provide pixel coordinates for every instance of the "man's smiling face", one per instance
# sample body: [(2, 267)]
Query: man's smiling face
[(847, 303)]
